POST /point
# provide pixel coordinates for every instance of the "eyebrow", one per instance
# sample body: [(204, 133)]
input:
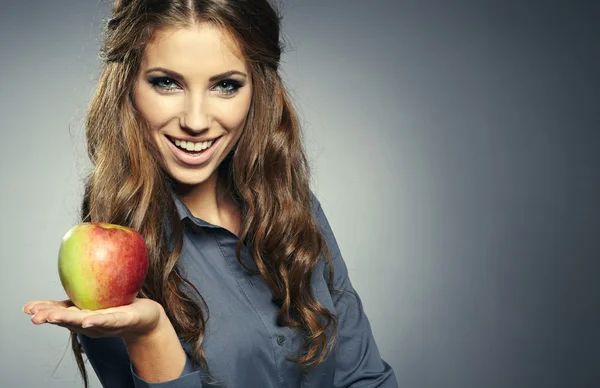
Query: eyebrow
[(177, 76)]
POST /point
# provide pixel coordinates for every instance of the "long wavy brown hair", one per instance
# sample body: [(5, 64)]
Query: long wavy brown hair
[(267, 172)]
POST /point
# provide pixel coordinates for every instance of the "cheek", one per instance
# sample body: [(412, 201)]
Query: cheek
[(154, 109), (232, 113)]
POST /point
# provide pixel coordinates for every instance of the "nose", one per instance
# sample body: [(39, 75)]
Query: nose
[(194, 117)]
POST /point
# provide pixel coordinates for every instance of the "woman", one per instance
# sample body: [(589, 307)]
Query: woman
[(195, 144)]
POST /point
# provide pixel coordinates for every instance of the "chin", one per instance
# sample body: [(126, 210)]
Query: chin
[(190, 178)]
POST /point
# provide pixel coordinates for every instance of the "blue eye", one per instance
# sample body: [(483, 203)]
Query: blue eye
[(228, 86), (163, 83)]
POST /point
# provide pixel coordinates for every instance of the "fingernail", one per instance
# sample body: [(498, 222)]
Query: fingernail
[(86, 325)]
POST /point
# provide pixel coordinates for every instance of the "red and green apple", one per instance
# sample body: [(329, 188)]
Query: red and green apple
[(102, 265)]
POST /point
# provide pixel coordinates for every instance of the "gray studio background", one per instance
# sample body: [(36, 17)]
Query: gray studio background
[(459, 138)]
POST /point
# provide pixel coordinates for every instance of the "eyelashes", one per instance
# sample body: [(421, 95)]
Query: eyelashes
[(230, 86), (227, 87), (163, 83)]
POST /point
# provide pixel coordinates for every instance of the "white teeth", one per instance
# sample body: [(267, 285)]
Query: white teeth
[(190, 146)]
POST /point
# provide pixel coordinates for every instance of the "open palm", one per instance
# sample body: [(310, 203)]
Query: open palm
[(138, 318)]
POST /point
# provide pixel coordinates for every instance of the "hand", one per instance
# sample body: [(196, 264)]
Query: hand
[(137, 319)]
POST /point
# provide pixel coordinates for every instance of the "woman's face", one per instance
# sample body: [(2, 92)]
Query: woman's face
[(194, 91)]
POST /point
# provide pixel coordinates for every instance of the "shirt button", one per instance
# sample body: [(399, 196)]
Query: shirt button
[(280, 340)]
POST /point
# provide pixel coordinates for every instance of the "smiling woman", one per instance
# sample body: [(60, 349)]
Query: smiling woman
[(194, 110), (196, 145)]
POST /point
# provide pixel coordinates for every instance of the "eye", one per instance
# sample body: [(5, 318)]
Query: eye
[(228, 86), (163, 83)]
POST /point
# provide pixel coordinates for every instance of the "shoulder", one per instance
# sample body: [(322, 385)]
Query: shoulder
[(324, 227), (315, 206), (320, 217), (322, 221)]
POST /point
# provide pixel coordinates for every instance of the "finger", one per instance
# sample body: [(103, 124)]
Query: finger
[(45, 306), (66, 316), (60, 314), (75, 328), (90, 332), (39, 317), (63, 303), (116, 319)]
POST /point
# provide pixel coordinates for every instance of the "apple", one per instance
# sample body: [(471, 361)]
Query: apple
[(102, 265)]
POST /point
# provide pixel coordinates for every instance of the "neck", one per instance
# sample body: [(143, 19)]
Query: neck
[(212, 202)]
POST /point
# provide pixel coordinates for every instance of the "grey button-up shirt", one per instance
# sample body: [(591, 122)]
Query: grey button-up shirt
[(243, 344)]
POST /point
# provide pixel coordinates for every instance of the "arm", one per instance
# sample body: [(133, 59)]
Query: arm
[(113, 367), (109, 358), (153, 360), (358, 363), (128, 346), (157, 356)]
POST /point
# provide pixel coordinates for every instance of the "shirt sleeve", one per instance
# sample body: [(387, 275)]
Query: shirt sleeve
[(110, 360), (357, 359)]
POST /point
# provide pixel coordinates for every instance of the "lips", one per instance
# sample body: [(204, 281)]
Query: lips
[(191, 139), (193, 158), (190, 146)]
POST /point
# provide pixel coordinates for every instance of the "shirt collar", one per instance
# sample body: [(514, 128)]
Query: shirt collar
[(185, 213), (186, 217)]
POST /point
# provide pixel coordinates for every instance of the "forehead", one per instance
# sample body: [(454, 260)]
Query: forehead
[(201, 49)]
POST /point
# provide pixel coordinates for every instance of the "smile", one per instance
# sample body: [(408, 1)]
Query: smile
[(192, 146), (194, 154)]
